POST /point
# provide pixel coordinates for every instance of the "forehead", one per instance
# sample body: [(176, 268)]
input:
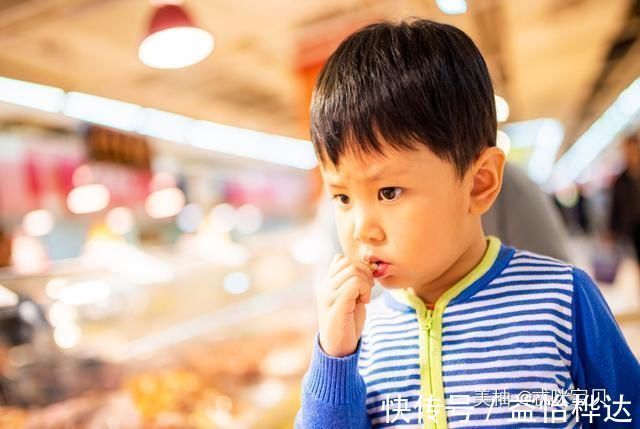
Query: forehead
[(370, 167)]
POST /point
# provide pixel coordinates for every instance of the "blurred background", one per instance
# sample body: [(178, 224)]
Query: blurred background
[(162, 218)]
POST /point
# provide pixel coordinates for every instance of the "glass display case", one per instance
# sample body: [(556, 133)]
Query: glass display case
[(189, 344)]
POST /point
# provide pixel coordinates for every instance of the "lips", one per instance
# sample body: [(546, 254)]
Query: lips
[(381, 269), (378, 266), (370, 259)]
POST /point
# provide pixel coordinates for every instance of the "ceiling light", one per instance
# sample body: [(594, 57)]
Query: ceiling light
[(165, 203), (503, 142), (38, 222), (601, 133), (502, 108), (452, 7), (88, 198), (103, 111), (32, 95), (173, 41)]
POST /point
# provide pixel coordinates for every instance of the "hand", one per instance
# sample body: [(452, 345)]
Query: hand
[(341, 305)]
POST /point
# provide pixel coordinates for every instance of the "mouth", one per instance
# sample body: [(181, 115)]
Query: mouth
[(378, 267)]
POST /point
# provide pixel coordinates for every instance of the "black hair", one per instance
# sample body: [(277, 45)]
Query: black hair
[(415, 82)]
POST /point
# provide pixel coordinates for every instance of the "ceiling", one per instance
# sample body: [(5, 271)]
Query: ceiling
[(566, 59)]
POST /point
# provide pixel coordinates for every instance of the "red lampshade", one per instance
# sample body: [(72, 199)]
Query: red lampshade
[(169, 16), (173, 41)]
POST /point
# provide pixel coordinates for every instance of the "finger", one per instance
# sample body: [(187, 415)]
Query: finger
[(325, 292), (349, 271), (365, 293), (333, 295), (340, 261), (340, 264), (350, 294), (368, 267), (365, 268)]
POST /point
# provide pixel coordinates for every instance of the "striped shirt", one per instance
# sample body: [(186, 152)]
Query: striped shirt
[(499, 350)]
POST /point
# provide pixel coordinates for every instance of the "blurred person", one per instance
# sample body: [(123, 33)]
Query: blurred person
[(403, 122), (624, 220), (5, 249), (583, 217), (523, 216)]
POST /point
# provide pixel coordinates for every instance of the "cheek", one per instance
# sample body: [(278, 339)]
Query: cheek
[(429, 231), (345, 235), (433, 218), (452, 210)]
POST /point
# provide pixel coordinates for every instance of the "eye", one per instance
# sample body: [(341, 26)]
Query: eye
[(342, 198), (390, 194)]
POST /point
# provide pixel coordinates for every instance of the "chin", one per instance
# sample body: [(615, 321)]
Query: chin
[(389, 282)]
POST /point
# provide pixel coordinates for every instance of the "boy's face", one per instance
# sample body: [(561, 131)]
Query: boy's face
[(414, 214)]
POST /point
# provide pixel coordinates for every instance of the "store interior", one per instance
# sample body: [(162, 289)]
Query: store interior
[(163, 222)]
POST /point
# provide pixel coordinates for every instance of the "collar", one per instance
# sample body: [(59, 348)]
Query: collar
[(494, 260)]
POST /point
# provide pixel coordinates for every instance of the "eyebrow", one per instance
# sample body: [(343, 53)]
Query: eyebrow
[(376, 175)]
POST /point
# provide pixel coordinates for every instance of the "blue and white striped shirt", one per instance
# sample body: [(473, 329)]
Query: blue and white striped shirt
[(512, 348)]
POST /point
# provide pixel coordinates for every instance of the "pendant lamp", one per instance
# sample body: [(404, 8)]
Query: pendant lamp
[(173, 41)]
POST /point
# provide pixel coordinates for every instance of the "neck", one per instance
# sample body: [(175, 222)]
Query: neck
[(466, 262)]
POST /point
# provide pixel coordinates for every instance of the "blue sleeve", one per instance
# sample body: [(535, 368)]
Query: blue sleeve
[(601, 358), (333, 393)]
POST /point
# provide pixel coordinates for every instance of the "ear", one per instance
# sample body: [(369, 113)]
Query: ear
[(486, 180)]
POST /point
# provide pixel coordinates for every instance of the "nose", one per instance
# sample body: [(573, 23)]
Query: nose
[(366, 229)]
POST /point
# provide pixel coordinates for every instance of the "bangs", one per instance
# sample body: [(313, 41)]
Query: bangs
[(404, 86)]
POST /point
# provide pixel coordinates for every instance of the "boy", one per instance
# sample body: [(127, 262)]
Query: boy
[(468, 332)]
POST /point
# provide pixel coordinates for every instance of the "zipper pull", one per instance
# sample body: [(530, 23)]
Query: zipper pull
[(427, 320)]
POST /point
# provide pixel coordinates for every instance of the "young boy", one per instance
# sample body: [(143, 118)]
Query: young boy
[(468, 332)]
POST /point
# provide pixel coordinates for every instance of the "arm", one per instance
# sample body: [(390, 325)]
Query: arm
[(333, 393), (601, 358)]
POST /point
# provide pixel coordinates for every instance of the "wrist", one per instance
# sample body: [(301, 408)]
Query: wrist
[(336, 352), (334, 379)]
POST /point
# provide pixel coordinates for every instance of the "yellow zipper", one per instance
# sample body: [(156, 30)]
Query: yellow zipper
[(430, 336), (425, 321)]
